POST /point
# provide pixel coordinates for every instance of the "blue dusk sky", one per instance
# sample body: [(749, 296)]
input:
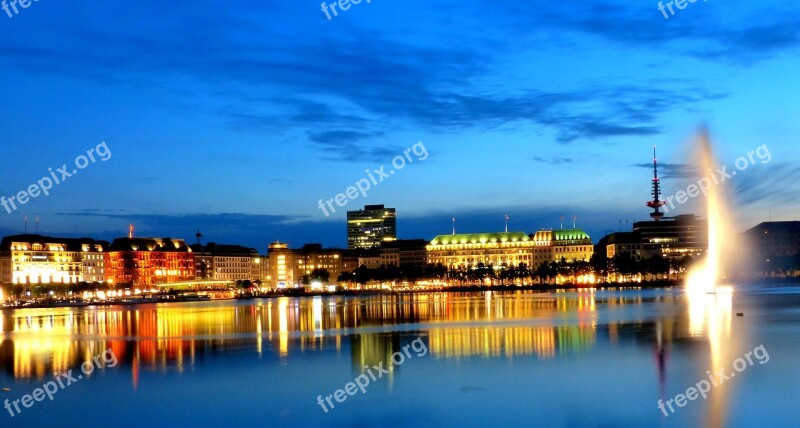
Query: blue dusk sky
[(236, 118)]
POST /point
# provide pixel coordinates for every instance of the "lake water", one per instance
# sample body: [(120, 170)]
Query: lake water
[(562, 359)]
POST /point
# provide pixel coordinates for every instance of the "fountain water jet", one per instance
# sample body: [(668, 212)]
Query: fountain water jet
[(705, 277), (710, 304)]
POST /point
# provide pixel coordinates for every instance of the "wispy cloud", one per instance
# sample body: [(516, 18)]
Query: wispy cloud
[(673, 170), (352, 146), (553, 160)]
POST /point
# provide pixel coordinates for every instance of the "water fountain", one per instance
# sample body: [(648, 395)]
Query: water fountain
[(706, 276), (710, 301)]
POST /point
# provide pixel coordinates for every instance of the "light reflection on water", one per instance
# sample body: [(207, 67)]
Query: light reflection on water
[(39, 342), (642, 345)]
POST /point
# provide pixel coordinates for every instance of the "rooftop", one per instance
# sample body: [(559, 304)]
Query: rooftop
[(480, 238)]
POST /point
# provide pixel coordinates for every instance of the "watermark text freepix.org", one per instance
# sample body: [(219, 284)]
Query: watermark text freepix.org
[(46, 183), (344, 5), (715, 178), (702, 388), (8, 6), (376, 177), (62, 381), (680, 4), (362, 382)]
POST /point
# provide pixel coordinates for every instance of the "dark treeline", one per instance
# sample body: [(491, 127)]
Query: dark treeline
[(620, 267)]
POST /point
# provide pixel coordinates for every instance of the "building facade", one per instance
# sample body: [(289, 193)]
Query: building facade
[(509, 248), (568, 244), (774, 248), (404, 252), (286, 266), (774, 239), (93, 258), (464, 251), (37, 259), (146, 262), (371, 226), (226, 262), (670, 237)]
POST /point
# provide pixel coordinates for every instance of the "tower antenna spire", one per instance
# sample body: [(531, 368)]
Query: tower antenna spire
[(656, 203)]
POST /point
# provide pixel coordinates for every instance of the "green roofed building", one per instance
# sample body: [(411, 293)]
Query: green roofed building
[(467, 250), (569, 244), (509, 248)]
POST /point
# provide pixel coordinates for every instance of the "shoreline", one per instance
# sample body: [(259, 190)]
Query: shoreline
[(543, 288)]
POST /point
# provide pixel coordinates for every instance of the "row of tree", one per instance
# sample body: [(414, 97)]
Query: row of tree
[(42, 290), (620, 267)]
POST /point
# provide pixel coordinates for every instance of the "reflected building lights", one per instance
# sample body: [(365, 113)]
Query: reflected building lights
[(175, 337)]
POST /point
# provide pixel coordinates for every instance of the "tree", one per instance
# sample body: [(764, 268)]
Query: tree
[(545, 271), (522, 272), (599, 263), (362, 275), (320, 274), (657, 266)]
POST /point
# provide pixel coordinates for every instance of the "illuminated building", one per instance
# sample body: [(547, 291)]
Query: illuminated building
[(509, 248), (404, 252), (674, 237), (467, 250), (150, 261), (287, 266), (93, 258), (569, 244), (370, 262), (626, 244), (263, 269), (226, 262), (37, 259), (670, 237), (369, 227)]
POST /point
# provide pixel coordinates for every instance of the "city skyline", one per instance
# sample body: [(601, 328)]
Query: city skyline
[(241, 136), (415, 214)]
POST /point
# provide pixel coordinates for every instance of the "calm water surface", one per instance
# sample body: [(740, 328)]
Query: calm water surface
[(570, 359)]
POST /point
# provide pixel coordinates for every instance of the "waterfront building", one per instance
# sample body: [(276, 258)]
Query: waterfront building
[(568, 244), (226, 262), (673, 237), (37, 259), (774, 239), (625, 244), (371, 226), (670, 237), (263, 269), (286, 267), (93, 260), (145, 262), (510, 248), (774, 247), (370, 262), (463, 251), (404, 252)]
